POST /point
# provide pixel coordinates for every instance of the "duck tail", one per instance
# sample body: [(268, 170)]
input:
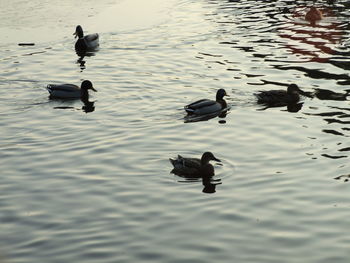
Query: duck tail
[(172, 161), (49, 88), (188, 109), (177, 162)]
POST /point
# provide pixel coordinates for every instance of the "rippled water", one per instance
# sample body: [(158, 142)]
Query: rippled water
[(97, 187)]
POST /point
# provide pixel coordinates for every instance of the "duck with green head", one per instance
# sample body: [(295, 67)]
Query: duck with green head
[(206, 106), (70, 91), (85, 42)]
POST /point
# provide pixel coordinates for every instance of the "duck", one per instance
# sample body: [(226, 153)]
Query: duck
[(88, 42), (280, 97), (194, 167), (313, 15), (70, 91), (206, 106)]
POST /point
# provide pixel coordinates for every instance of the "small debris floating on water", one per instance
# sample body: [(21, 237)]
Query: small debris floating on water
[(26, 44), (346, 177)]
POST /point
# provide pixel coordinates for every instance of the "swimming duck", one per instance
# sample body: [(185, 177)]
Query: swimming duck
[(206, 106), (313, 15), (88, 42), (280, 97), (70, 91), (194, 167)]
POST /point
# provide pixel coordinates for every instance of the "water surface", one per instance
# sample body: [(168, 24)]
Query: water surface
[(97, 187)]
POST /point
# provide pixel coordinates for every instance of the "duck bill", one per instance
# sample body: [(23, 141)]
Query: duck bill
[(93, 89), (75, 34), (304, 93), (216, 159)]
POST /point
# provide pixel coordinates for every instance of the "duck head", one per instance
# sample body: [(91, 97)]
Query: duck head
[(220, 94), (207, 157), (86, 85), (293, 88), (313, 15), (78, 32)]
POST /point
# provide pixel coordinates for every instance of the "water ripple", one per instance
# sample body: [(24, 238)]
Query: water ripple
[(97, 187)]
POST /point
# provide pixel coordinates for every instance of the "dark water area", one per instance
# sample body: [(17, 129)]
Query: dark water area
[(91, 181)]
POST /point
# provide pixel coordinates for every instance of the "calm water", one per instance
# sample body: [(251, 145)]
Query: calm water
[(97, 187)]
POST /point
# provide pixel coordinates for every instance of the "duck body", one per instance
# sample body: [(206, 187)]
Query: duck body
[(84, 43), (194, 167), (70, 91), (280, 97), (206, 106), (313, 15)]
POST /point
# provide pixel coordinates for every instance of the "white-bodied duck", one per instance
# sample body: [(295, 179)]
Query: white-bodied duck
[(206, 106), (70, 91), (194, 167), (88, 42)]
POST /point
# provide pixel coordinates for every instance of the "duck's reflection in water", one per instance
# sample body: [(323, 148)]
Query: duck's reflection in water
[(89, 106), (196, 118), (325, 94), (291, 107), (82, 57), (210, 184), (81, 62)]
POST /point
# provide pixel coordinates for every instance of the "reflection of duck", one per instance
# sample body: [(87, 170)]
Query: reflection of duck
[(209, 184), (88, 42), (209, 188), (70, 91), (194, 167), (324, 94), (280, 97), (195, 118), (313, 15), (206, 106), (89, 106)]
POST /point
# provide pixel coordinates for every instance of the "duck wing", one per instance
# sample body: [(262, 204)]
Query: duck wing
[(92, 41), (192, 163), (271, 96), (62, 87), (91, 37), (185, 162), (199, 104), (187, 167), (88, 42), (203, 107), (63, 91)]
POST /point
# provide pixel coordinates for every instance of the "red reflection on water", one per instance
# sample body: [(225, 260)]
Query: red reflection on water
[(317, 31)]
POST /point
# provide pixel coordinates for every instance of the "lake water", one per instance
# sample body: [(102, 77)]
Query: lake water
[(96, 186)]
